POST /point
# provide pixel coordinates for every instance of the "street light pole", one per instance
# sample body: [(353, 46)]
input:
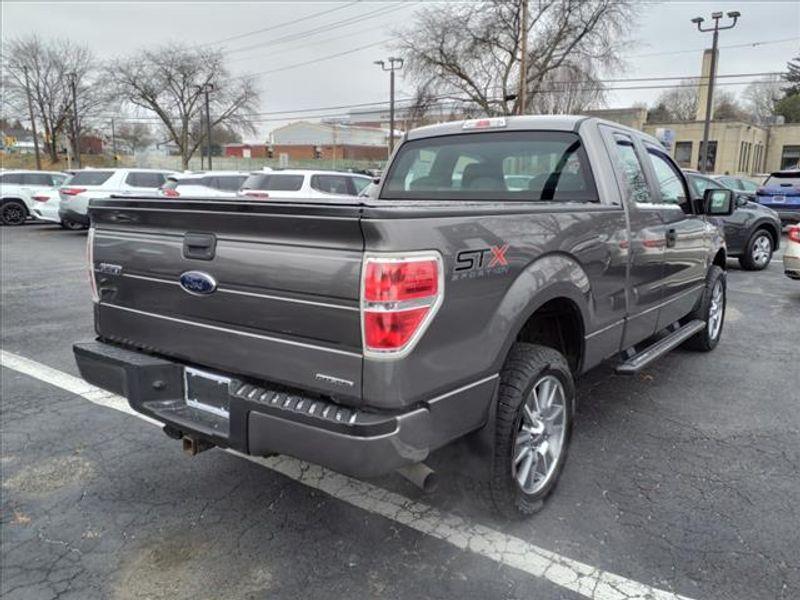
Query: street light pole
[(114, 140), (395, 64), (33, 120), (75, 127), (716, 16), (206, 88), (523, 61)]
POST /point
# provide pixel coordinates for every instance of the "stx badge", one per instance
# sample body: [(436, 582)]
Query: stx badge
[(477, 262)]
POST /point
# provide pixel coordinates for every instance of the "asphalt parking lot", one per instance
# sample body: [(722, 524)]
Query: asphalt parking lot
[(684, 480)]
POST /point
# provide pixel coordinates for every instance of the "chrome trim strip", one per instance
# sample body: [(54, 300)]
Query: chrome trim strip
[(234, 331), (219, 212), (464, 388), (604, 329), (253, 294)]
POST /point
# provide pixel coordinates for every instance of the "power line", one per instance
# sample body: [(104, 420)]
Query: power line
[(314, 61), (693, 50)]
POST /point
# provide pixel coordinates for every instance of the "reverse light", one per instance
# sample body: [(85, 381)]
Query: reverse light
[(70, 191), (90, 265), (794, 233), (400, 295)]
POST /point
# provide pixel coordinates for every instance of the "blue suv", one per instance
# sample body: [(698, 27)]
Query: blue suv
[(781, 193)]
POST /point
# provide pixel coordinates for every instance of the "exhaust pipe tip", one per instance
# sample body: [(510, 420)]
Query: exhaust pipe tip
[(421, 475)]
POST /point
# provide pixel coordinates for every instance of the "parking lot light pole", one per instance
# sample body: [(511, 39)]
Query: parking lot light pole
[(206, 88), (73, 83), (395, 64), (716, 16)]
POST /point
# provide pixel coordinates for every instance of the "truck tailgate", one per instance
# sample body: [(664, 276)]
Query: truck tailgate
[(285, 305)]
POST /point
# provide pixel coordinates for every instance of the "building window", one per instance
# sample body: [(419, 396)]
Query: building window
[(790, 157), (683, 154), (711, 159)]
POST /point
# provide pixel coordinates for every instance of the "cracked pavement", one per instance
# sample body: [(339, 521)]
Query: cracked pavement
[(684, 478)]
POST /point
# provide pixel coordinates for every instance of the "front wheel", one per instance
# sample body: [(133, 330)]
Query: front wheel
[(72, 225), (711, 309), (13, 212), (758, 252), (532, 428)]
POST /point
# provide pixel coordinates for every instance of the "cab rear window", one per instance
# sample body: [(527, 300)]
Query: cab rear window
[(513, 165)]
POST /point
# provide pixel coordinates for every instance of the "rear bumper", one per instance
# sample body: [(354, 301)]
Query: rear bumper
[(791, 266), (65, 214), (265, 419)]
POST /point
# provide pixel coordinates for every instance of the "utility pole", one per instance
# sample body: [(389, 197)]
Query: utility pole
[(716, 16), (76, 132), (395, 64), (523, 61), (205, 89), (33, 120), (114, 140)]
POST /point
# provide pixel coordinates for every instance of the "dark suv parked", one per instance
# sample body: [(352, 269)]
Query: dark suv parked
[(752, 232)]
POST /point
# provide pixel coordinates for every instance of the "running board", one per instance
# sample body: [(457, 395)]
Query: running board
[(637, 362)]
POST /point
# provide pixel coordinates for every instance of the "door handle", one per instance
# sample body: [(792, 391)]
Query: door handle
[(672, 237), (200, 246)]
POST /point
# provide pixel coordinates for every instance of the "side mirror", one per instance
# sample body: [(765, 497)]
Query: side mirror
[(741, 200), (718, 202), (376, 180)]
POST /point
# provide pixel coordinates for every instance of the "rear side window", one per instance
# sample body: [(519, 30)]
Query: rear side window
[(513, 165), (145, 179), (332, 184), (91, 177), (274, 183), (359, 183), (38, 179), (13, 178), (784, 179)]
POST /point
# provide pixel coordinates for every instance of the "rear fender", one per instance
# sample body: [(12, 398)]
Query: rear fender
[(547, 278)]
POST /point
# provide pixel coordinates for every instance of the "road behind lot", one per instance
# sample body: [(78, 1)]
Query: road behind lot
[(685, 478)]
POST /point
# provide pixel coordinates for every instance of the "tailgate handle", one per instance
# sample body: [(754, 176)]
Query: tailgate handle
[(199, 246)]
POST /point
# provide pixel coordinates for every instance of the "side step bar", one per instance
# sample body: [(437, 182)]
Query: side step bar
[(637, 362)]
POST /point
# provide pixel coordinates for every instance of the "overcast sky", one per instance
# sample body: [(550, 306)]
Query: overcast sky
[(665, 42)]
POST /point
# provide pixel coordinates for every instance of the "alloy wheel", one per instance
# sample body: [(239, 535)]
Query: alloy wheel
[(716, 310), (13, 214), (762, 249), (540, 436)]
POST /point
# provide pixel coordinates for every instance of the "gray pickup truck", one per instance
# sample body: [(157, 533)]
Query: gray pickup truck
[(497, 260)]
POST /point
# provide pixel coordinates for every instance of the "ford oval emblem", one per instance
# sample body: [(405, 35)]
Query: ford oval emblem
[(197, 282)]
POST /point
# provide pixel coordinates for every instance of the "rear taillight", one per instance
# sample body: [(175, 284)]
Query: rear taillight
[(90, 265), (171, 193), (41, 198), (72, 191), (794, 233), (761, 190), (399, 297), (258, 195)]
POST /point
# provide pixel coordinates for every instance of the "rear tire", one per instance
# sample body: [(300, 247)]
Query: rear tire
[(13, 212), (533, 424), (758, 252), (72, 225), (711, 309)]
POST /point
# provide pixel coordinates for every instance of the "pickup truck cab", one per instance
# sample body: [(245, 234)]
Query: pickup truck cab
[(498, 260)]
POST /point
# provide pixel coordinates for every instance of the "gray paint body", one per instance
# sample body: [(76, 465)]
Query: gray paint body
[(286, 307)]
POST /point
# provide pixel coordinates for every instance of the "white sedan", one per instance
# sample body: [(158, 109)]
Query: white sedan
[(791, 256)]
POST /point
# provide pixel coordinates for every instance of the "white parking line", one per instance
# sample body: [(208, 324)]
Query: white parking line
[(508, 550)]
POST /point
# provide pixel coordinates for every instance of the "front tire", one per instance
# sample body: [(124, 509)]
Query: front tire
[(711, 309), (533, 424), (13, 212), (758, 252), (72, 225)]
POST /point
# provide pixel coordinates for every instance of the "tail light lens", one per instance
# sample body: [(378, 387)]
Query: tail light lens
[(90, 265), (72, 191), (170, 193), (399, 297), (761, 190), (257, 195), (41, 198), (794, 233)]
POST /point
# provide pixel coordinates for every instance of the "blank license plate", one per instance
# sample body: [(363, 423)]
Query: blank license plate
[(779, 199), (206, 391)]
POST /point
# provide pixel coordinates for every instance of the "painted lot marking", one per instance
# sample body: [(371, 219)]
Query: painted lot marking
[(502, 548)]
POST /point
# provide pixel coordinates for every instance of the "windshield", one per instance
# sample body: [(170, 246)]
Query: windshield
[(784, 179), (513, 165), (91, 177), (274, 183)]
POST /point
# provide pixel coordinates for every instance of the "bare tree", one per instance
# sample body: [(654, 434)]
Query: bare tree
[(761, 97), (168, 80), (136, 136), (50, 66), (472, 50), (679, 104)]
